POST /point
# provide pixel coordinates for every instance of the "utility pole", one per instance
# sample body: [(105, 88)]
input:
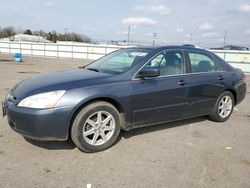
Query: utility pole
[(225, 38), (128, 34), (154, 37), (191, 38), (65, 33)]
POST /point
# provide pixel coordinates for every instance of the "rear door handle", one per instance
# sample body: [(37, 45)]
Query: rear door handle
[(182, 82), (220, 77)]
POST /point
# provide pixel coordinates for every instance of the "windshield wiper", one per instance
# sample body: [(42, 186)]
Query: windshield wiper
[(93, 69)]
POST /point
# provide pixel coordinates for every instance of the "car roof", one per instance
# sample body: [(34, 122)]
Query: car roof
[(166, 47)]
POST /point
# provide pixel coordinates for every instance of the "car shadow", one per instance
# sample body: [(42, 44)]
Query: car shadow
[(69, 145), (52, 145), (153, 128)]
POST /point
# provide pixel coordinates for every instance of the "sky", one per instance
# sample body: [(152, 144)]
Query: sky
[(184, 21)]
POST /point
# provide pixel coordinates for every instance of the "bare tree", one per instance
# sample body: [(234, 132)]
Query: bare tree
[(7, 32)]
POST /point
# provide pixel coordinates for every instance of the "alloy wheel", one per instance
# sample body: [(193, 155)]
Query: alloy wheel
[(225, 106), (98, 128)]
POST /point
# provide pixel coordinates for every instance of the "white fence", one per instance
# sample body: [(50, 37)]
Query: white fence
[(240, 59), (82, 51), (233, 55)]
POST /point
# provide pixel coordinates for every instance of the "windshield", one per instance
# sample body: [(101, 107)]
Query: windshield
[(119, 61)]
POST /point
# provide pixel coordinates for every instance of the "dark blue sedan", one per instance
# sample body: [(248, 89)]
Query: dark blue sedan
[(126, 89)]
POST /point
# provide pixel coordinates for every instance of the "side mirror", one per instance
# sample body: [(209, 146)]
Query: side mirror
[(148, 72)]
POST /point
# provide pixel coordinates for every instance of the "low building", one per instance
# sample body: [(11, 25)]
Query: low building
[(26, 38)]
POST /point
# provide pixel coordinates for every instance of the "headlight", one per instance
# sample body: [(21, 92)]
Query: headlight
[(42, 100)]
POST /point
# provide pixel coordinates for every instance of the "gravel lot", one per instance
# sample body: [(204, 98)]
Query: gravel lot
[(190, 153)]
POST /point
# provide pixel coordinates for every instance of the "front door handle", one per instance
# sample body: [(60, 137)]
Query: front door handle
[(220, 77), (182, 82)]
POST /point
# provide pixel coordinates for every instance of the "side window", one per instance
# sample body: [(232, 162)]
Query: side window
[(158, 61), (202, 63), (169, 63)]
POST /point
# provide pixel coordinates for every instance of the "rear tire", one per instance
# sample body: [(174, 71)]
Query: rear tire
[(223, 107), (96, 127)]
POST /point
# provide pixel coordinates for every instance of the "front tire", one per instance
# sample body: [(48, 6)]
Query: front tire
[(223, 107), (96, 127)]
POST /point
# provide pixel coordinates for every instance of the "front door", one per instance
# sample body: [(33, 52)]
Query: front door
[(163, 98)]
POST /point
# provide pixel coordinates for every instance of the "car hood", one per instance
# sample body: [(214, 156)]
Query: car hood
[(62, 80)]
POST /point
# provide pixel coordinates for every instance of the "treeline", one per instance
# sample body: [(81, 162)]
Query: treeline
[(52, 36)]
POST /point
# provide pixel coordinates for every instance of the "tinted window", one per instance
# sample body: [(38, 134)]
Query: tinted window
[(202, 63), (169, 63)]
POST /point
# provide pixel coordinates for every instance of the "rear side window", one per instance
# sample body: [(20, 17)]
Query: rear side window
[(202, 63)]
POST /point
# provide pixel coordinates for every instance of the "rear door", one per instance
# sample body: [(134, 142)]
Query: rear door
[(206, 82), (163, 98)]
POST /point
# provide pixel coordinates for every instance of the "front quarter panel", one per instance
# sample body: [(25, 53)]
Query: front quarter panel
[(120, 92)]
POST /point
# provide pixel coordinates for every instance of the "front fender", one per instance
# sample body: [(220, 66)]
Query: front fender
[(77, 98)]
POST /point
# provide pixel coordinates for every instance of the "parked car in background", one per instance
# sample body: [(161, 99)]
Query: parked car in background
[(126, 89), (232, 47), (239, 48)]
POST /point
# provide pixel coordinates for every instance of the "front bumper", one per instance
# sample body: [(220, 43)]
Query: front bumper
[(39, 124)]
